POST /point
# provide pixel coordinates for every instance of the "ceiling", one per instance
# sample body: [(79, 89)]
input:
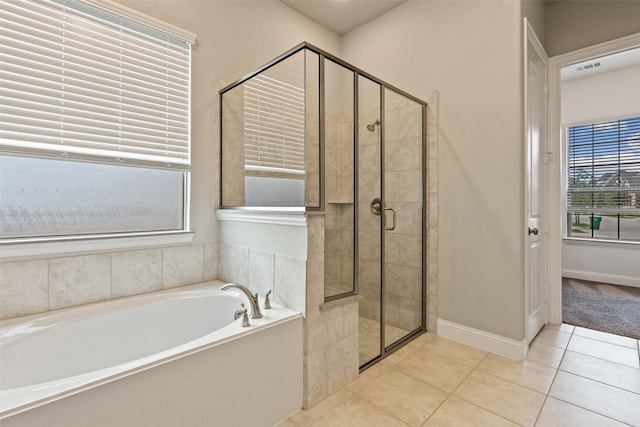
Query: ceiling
[(342, 16)]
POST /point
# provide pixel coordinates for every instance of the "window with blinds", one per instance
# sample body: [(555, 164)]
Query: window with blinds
[(603, 180), (94, 121), (274, 126)]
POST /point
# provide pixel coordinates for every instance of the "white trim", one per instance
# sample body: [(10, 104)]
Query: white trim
[(141, 18), (292, 218), (71, 246), (593, 276), (600, 242), (555, 145), (486, 341), (532, 323)]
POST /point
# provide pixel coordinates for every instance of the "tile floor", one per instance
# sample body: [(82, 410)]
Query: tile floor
[(572, 377)]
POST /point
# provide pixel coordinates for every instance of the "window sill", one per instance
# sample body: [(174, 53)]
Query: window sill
[(598, 242), (45, 248)]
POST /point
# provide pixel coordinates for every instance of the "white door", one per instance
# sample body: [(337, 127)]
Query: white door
[(535, 143)]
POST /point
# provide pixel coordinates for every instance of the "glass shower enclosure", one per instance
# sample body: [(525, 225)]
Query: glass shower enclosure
[(313, 133)]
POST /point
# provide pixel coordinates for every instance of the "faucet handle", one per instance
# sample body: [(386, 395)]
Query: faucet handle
[(267, 303), (245, 317)]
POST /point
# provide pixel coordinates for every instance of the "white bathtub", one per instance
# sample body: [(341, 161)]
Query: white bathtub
[(169, 358)]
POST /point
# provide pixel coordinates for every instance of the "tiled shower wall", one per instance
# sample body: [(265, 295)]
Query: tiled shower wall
[(331, 329), (403, 181), (28, 287), (432, 230), (339, 215)]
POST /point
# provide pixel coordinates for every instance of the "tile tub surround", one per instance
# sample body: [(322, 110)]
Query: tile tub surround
[(433, 381), (29, 287), (263, 271), (330, 330)]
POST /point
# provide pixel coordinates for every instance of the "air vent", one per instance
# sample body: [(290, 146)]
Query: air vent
[(588, 66)]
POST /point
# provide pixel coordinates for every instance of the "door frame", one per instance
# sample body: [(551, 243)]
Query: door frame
[(555, 146)]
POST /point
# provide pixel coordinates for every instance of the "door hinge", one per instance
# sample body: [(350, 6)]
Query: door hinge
[(545, 227), (547, 157), (546, 297), (546, 89)]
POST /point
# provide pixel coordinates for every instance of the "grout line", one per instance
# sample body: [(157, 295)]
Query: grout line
[(600, 382), (590, 410), (544, 402), (450, 394)]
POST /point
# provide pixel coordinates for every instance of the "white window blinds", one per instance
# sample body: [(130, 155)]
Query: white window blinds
[(82, 83), (604, 167), (274, 128)]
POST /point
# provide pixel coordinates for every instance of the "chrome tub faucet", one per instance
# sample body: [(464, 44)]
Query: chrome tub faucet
[(253, 299)]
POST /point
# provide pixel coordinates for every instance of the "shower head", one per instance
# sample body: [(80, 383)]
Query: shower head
[(372, 127)]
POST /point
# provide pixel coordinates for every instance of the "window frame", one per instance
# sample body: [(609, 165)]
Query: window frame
[(590, 212), (29, 247)]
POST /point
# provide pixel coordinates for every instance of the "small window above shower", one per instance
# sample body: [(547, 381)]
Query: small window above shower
[(270, 136)]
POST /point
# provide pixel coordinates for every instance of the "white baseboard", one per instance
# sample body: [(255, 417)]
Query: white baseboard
[(484, 340), (602, 277)]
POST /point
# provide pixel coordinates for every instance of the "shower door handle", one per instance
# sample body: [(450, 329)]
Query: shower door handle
[(393, 219)]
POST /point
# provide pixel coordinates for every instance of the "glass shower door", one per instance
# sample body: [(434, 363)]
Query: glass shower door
[(403, 217), (390, 218), (369, 220)]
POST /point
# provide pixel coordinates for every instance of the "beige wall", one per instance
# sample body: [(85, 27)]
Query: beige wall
[(572, 25), (536, 13), (470, 52), (234, 38)]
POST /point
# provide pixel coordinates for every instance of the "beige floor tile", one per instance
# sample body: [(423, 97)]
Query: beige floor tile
[(404, 397), (421, 341), (368, 377), (553, 337), (455, 412), (288, 423), (509, 400), (455, 351), (556, 413), (606, 400), (610, 338), (611, 373), (357, 412), (436, 370), (545, 354), (398, 356), (526, 373), (563, 327), (603, 350), (306, 417)]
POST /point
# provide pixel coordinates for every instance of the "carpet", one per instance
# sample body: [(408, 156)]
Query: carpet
[(607, 308)]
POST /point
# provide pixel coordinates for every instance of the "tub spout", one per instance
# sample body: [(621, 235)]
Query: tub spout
[(253, 300)]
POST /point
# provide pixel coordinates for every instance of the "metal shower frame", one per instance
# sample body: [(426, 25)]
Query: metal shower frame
[(357, 72)]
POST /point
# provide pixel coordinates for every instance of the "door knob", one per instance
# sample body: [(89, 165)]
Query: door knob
[(533, 231)]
